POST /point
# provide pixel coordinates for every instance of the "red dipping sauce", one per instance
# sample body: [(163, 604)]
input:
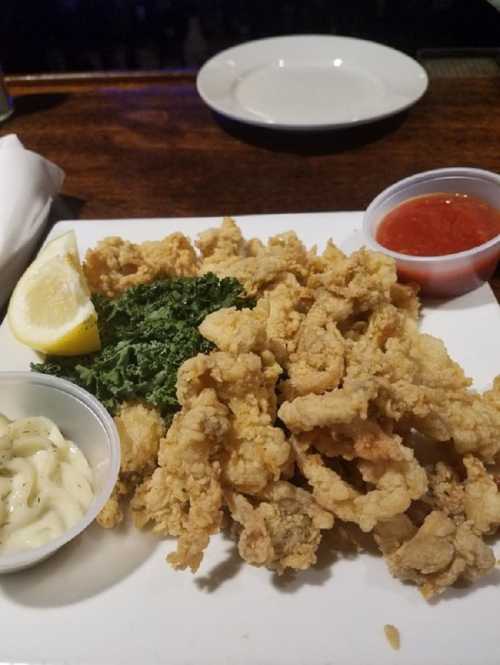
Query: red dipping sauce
[(430, 229), (438, 224)]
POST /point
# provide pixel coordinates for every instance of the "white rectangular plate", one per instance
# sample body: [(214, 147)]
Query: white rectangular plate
[(110, 599)]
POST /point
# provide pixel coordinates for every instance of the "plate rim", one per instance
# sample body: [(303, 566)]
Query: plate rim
[(306, 126)]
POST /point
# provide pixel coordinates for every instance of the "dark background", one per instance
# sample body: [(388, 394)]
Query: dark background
[(76, 35)]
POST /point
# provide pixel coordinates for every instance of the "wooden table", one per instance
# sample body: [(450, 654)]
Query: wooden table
[(145, 145)]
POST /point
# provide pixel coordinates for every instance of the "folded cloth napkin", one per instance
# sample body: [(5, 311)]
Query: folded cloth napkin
[(28, 185)]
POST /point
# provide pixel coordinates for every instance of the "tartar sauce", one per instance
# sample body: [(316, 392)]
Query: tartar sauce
[(46, 483)]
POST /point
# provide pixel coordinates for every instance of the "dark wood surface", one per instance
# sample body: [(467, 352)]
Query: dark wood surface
[(145, 145)]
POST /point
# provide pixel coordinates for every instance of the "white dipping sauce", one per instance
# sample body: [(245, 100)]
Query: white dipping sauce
[(45, 483)]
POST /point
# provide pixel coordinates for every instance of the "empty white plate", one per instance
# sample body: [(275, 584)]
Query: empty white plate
[(310, 82)]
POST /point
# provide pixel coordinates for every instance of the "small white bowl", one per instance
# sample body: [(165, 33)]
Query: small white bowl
[(450, 274), (83, 420)]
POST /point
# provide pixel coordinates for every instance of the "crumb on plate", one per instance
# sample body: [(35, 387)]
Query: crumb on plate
[(392, 635)]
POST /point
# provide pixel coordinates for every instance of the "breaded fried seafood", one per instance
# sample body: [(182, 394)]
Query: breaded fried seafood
[(322, 404)]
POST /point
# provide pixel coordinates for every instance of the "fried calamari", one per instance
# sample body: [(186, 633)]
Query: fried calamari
[(324, 404), (116, 264), (140, 428)]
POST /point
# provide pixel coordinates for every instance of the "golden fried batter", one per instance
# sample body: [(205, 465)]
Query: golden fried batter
[(481, 497), (235, 331), (439, 554), (256, 266), (395, 476), (115, 264), (254, 451), (183, 496), (112, 514), (309, 410), (220, 244), (140, 428), (337, 407), (317, 361), (223, 436), (282, 530)]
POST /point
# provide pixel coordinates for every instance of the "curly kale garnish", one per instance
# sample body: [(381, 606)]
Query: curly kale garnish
[(147, 333)]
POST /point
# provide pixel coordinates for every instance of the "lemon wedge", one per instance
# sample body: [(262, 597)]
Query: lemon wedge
[(50, 309)]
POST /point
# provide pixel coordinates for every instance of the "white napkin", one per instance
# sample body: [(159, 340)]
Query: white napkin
[(28, 185)]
